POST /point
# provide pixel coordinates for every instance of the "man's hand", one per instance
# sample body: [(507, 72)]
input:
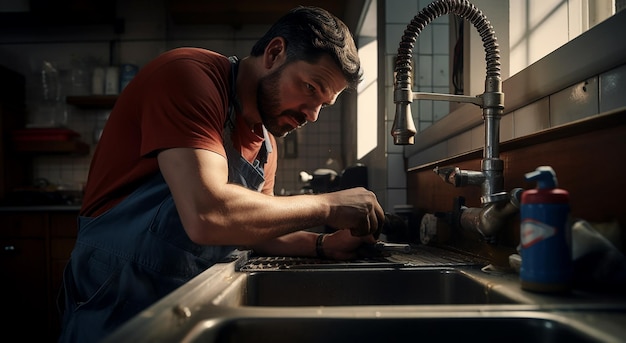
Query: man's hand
[(342, 245), (355, 209)]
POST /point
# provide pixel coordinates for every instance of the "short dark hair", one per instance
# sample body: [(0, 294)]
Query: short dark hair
[(309, 33)]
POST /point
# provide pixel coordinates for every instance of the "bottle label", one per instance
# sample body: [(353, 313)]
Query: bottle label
[(533, 232)]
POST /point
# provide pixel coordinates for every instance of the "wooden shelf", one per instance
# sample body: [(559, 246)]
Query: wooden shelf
[(92, 101)]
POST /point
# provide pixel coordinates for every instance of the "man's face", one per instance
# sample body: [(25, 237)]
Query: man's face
[(294, 93), (277, 122)]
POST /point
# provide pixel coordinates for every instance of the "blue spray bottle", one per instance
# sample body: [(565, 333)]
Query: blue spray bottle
[(545, 235)]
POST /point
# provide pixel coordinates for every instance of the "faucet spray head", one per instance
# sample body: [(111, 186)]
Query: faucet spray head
[(403, 129)]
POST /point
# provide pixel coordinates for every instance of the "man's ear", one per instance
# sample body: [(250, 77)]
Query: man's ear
[(274, 54)]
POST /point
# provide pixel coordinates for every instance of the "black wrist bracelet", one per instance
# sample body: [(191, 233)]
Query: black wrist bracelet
[(319, 249)]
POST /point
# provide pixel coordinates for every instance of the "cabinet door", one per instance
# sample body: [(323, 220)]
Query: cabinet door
[(24, 287), (24, 274), (63, 231), (23, 224)]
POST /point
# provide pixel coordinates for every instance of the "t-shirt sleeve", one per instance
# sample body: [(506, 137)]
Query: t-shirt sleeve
[(185, 107)]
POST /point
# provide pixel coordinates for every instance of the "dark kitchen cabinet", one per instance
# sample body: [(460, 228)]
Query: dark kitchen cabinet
[(36, 246), (16, 155), (15, 170), (46, 14), (92, 101)]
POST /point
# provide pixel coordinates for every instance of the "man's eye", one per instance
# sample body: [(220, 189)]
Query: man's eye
[(309, 87)]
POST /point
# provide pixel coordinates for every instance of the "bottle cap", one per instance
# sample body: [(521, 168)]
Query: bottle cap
[(546, 191), (545, 177)]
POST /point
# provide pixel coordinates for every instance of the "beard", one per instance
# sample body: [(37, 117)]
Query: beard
[(268, 104)]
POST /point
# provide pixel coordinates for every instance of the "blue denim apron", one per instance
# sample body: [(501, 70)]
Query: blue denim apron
[(129, 257)]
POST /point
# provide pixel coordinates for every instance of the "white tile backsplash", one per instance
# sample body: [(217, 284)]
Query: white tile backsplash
[(612, 89), (531, 118), (424, 75), (593, 96), (433, 153), (424, 43), (441, 40), (441, 72), (478, 137), (506, 128), (440, 108), (460, 144), (431, 74), (396, 172), (400, 11), (393, 33), (425, 111), (575, 102)]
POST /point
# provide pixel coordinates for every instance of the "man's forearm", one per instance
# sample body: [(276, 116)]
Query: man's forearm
[(301, 243)]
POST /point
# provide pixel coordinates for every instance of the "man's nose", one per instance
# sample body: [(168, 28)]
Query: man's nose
[(312, 112)]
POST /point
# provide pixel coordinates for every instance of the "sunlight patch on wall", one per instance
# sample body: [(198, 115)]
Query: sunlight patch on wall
[(538, 27), (367, 102)]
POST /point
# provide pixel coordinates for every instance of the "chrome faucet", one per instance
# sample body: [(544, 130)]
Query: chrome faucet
[(497, 205)]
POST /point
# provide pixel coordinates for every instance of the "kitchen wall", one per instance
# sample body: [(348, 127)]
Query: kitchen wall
[(564, 110), (386, 162), (146, 33), (526, 31)]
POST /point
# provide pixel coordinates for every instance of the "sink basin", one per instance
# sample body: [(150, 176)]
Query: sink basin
[(440, 329), (363, 305), (360, 287)]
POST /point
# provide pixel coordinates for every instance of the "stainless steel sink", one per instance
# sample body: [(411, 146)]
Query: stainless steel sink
[(358, 287), (505, 328), (367, 304)]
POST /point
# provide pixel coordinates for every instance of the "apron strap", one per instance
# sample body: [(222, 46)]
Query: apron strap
[(234, 104)]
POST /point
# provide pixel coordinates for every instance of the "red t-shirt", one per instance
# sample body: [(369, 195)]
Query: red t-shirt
[(180, 99)]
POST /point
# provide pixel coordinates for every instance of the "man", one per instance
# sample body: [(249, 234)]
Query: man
[(184, 171)]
